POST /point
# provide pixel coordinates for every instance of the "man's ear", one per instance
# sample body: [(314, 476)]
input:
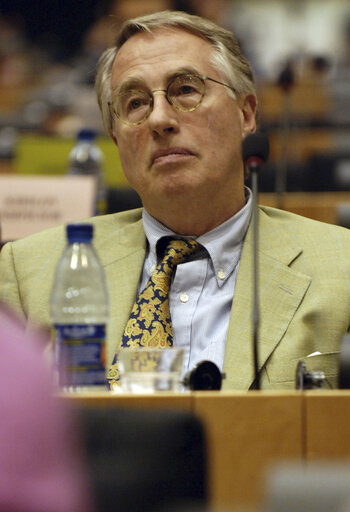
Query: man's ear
[(248, 105)]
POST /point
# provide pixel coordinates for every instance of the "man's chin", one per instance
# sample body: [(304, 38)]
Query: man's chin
[(177, 188)]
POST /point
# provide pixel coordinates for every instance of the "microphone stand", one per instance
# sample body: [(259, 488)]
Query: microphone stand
[(255, 311), (255, 151)]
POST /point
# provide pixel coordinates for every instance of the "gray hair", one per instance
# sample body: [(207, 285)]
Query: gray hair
[(227, 57)]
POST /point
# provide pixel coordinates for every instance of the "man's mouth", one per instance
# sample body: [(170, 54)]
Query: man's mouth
[(170, 155)]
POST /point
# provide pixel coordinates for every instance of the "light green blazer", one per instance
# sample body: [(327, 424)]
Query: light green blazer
[(304, 270)]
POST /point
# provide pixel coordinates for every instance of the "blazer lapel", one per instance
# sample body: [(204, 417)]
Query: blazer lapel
[(122, 253), (281, 289)]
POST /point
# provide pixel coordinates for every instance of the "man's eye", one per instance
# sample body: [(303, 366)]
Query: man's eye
[(135, 103), (186, 89), (185, 86)]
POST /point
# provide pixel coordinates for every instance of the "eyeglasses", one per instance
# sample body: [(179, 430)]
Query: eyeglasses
[(185, 93)]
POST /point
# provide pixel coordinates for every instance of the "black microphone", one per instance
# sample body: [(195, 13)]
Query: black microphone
[(204, 376), (255, 152)]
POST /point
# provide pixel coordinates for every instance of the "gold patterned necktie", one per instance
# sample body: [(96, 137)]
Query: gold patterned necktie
[(149, 324)]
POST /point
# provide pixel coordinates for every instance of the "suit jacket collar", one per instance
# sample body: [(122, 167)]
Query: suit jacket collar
[(281, 289)]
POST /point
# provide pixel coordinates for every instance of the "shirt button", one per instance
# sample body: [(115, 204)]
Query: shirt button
[(221, 274), (184, 297)]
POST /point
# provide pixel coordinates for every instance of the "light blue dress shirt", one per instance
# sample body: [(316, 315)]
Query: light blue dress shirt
[(202, 289)]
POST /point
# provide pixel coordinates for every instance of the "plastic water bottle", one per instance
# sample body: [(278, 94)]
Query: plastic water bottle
[(86, 159), (79, 313)]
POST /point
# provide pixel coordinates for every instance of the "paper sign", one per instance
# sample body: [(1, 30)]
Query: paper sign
[(32, 203)]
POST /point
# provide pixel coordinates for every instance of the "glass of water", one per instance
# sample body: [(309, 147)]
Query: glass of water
[(148, 370)]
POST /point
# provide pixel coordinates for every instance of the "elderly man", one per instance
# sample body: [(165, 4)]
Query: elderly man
[(178, 98)]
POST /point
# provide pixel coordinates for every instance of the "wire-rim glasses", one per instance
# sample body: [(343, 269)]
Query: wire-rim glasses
[(185, 93)]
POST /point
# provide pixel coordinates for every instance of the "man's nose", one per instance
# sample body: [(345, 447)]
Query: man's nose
[(163, 118)]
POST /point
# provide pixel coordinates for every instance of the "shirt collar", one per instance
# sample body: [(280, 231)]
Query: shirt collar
[(223, 243)]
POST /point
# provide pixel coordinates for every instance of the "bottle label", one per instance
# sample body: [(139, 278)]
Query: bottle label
[(80, 355)]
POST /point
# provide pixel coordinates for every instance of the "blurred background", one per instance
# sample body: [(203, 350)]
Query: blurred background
[(299, 51)]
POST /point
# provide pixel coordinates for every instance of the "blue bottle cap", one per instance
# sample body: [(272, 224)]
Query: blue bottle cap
[(86, 134), (79, 232)]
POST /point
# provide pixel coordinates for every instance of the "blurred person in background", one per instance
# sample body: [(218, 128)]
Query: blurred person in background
[(41, 465)]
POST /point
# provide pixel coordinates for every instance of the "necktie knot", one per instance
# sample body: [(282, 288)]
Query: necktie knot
[(179, 250)]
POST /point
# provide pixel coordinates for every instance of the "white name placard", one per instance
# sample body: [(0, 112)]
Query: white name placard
[(32, 203)]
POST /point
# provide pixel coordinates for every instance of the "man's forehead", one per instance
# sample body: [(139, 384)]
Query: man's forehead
[(174, 46)]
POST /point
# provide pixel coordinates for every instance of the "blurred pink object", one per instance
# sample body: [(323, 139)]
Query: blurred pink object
[(40, 465)]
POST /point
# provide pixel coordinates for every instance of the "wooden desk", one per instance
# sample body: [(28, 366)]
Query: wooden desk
[(246, 432), (327, 425)]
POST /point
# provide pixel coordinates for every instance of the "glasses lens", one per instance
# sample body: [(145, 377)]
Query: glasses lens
[(132, 106), (186, 92)]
